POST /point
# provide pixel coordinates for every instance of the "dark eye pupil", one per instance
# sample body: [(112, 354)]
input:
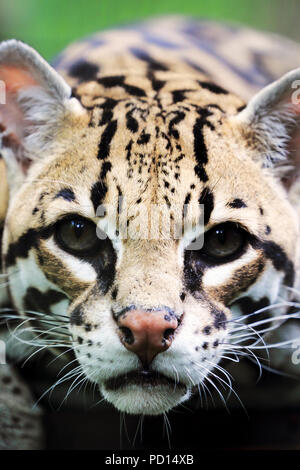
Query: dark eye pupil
[(222, 243), (77, 236), (78, 227), (221, 235)]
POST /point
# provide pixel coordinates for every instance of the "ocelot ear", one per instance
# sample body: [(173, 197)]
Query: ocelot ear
[(270, 123), (35, 101)]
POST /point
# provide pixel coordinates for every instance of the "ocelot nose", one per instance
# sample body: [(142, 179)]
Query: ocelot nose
[(147, 333)]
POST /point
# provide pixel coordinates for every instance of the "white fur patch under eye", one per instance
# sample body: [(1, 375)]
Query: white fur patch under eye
[(78, 268), (60, 308), (24, 275), (30, 274), (269, 283), (219, 275)]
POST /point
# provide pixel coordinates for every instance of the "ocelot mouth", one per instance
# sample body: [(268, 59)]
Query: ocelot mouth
[(145, 392), (142, 378)]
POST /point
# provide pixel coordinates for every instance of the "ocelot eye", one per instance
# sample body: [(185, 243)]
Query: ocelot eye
[(78, 236), (223, 243)]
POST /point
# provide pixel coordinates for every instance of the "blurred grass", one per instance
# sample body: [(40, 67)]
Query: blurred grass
[(49, 25)]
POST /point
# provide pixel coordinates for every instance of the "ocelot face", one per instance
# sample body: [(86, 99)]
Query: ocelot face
[(142, 232)]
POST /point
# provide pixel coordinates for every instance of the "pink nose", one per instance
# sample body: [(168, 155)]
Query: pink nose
[(147, 333)]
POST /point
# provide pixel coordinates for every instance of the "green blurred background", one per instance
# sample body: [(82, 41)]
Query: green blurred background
[(49, 25)]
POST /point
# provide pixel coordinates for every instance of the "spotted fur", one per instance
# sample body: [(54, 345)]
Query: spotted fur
[(152, 114)]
